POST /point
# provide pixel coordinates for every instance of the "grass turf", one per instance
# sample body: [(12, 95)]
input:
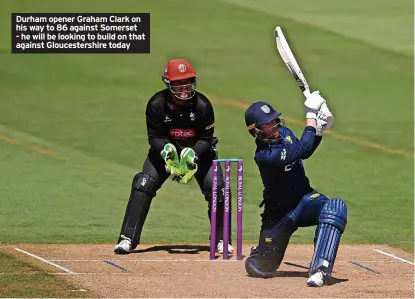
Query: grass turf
[(72, 131)]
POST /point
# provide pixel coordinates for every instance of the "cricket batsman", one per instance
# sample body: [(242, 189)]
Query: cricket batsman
[(180, 127), (288, 199)]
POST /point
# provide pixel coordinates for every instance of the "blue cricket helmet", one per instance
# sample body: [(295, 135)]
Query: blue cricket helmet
[(257, 114)]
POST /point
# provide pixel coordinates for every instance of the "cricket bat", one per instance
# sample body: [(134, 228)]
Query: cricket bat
[(290, 61)]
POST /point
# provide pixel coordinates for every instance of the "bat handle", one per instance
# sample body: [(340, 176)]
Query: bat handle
[(306, 93)]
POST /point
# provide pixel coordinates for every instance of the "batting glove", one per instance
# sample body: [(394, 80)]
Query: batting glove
[(324, 119), (330, 118), (313, 104), (321, 123)]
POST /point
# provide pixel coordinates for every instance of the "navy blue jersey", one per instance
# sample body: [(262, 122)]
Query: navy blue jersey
[(281, 167)]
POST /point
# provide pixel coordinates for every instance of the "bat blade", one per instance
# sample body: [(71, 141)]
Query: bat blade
[(290, 61)]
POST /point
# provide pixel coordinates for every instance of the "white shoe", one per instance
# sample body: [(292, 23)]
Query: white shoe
[(219, 248), (124, 247), (317, 279)]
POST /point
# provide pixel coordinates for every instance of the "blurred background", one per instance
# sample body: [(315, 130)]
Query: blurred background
[(72, 126)]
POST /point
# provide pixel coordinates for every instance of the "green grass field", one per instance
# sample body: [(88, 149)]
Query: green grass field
[(29, 281), (72, 128)]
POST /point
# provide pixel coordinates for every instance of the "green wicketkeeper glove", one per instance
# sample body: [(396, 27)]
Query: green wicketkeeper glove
[(171, 158), (188, 166)]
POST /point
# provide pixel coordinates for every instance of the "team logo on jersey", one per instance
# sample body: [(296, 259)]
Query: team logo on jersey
[(192, 116), (182, 133), (265, 108), (167, 119), (182, 68), (288, 138)]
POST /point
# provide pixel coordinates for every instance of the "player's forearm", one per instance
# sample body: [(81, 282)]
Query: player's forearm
[(311, 122), (205, 137), (315, 146), (157, 143), (308, 141), (201, 147)]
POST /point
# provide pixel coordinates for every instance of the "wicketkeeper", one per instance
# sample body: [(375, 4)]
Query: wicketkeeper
[(288, 199), (180, 127)]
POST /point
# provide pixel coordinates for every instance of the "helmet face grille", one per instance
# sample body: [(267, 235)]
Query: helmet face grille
[(182, 93)]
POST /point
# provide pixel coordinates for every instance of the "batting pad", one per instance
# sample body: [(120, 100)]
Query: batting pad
[(332, 223)]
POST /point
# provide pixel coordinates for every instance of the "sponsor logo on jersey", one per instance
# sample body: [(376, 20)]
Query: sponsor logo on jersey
[(315, 195), (288, 138), (283, 154), (182, 133)]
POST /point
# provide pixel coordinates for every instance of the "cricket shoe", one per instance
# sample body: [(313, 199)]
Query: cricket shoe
[(219, 248), (317, 279), (259, 267), (254, 251), (124, 247)]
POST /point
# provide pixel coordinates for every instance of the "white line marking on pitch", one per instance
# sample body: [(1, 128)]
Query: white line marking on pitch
[(394, 256), (199, 260), (45, 261), (152, 260), (141, 274), (92, 273)]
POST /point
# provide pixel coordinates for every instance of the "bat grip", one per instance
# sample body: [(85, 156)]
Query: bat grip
[(306, 93)]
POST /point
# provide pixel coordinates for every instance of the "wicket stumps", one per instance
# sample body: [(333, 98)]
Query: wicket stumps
[(226, 209)]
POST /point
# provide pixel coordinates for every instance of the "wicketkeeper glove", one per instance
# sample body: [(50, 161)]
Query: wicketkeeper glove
[(171, 158), (188, 166), (313, 104)]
